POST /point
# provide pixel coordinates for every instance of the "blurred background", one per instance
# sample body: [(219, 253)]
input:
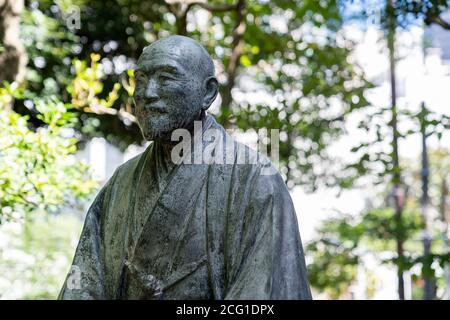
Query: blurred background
[(360, 91)]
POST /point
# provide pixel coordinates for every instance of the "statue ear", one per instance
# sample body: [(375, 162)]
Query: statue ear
[(211, 89)]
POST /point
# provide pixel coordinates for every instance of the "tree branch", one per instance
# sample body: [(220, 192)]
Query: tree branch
[(99, 109), (179, 10), (176, 7), (211, 8), (237, 48), (202, 4), (430, 19)]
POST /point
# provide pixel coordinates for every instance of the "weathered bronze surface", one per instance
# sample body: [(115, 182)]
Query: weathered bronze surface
[(165, 230)]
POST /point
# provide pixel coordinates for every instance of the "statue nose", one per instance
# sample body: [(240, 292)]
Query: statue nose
[(151, 93)]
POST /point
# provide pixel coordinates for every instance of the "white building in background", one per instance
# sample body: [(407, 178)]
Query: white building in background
[(420, 78)]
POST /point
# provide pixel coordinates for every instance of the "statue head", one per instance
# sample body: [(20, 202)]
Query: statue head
[(175, 84)]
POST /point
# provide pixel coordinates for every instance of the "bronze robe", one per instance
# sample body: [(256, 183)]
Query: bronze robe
[(191, 231)]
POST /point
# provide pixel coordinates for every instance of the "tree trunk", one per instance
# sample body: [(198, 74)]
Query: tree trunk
[(13, 58), (429, 286), (237, 47), (445, 232), (181, 10), (396, 178)]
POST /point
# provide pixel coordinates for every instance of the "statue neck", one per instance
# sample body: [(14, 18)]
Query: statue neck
[(167, 144)]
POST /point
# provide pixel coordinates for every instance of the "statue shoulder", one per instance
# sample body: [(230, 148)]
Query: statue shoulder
[(131, 163), (260, 162), (127, 168)]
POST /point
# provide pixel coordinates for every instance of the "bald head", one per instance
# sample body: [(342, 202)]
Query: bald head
[(175, 84), (188, 52)]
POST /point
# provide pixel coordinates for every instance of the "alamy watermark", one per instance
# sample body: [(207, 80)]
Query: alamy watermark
[(73, 281), (72, 17), (212, 146)]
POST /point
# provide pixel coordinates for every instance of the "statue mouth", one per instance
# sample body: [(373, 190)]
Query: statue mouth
[(155, 109), (151, 110)]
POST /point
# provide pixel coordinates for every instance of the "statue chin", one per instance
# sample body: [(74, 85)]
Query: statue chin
[(151, 129), (159, 128), (151, 134)]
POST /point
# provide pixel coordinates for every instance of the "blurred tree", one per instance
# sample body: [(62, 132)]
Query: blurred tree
[(429, 11), (40, 176), (407, 12), (38, 170), (343, 241), (290, 55), (334, 256), (13, 57), (35, 256), (390, 15)]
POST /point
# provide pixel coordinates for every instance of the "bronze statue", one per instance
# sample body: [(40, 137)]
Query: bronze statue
[(160, 229)]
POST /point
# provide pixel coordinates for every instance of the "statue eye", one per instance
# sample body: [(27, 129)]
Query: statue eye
[(164, 78), (140, 77)]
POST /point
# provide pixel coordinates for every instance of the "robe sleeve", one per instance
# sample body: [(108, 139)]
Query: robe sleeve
[(269, 261), (86, 276)]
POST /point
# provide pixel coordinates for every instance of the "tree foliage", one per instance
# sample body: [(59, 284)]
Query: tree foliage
[(290, 51), (343, 241), (38, 169)]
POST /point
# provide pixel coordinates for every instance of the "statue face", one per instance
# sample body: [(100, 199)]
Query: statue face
[(169, 90)]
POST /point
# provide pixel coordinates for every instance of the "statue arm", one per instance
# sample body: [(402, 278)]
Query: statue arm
[(86, 276), (269, 261)]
